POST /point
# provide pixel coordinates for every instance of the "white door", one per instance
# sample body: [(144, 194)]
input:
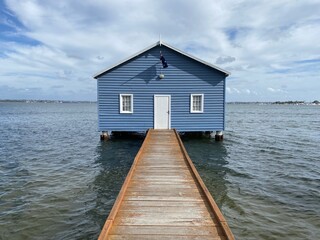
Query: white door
[(162, 112)]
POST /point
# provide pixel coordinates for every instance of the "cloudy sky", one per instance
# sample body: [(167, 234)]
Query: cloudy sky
[(50, 49)]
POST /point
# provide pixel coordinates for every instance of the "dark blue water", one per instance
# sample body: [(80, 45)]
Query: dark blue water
[(58, 181)]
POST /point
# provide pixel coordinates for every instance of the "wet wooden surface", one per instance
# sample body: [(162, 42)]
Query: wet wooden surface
[(162, 197)]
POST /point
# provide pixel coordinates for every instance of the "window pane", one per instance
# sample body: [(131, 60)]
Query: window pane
[(196, 102), (126, 103)]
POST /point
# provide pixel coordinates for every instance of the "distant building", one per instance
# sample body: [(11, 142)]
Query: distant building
[(138, 93)]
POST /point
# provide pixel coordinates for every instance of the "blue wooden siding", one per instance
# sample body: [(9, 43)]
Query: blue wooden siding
[(183, 77)]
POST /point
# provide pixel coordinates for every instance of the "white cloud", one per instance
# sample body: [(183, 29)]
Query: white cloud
[(225, 59), (276, 90), (63, 43), (235, 90)]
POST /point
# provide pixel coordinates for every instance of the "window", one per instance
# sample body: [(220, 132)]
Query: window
[(196, 103), (126, 103)]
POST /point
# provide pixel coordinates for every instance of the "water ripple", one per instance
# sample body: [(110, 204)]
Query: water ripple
[(58, 181)]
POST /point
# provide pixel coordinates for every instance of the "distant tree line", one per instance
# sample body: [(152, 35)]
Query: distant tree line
[(289, 102), (295, 102)]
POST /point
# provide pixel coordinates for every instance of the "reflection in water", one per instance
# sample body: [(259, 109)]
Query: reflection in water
[(211, 160), (115, 158)]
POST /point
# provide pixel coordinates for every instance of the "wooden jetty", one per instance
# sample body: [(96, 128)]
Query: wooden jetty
[(164, 197)]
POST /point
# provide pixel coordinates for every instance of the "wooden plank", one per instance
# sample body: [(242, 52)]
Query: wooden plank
[(163, 209), (164, 188), (166, 215), (169, 230), (165, 167), (142, 183), (162, 176), (178, 180), (146, 220), (164, 171), (164, 193), (159, 204), (160, 187), (162, 197), (164, 237), (164, 183)]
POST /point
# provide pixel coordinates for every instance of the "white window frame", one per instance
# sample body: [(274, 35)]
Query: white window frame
[(191, 103), (121, 102)]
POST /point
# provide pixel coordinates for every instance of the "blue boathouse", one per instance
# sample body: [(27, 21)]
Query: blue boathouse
[(139, 93)]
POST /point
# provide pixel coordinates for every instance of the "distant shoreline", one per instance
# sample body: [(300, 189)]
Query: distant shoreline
[(44, 101), (280, 103), (65, 101)]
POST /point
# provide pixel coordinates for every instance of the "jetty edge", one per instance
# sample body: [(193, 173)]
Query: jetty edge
[(164, 197)]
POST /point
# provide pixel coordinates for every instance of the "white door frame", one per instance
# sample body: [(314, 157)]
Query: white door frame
[(154, 110)]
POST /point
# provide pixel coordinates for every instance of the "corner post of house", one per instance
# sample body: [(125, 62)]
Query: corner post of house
[(104, 135), (219, 136)]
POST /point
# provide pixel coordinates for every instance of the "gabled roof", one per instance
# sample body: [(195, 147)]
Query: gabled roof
[(159, 43)]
